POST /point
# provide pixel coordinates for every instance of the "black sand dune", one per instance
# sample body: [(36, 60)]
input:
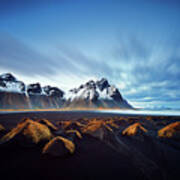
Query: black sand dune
[(103, 152)]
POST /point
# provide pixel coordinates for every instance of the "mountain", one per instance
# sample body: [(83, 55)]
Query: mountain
[(99, 94), (15, 94), (12, 93), (9, 83), (45, 97)]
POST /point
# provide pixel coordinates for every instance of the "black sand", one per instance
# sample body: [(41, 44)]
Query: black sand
[(94, 159)]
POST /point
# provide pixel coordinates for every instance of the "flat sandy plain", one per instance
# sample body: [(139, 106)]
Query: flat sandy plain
[(100, 154)]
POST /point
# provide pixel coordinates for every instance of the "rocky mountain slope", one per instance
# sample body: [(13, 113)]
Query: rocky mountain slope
[(96, 94), (15, 94)]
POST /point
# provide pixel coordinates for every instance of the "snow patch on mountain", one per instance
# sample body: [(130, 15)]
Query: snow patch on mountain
[(94, 93), (9, 83), (93, 90)]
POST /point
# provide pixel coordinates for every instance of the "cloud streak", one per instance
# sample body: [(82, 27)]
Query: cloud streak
[(15, 55), (153, 72), (143, 74)]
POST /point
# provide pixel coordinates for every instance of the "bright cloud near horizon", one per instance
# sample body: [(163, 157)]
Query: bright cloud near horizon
[(135, 44)]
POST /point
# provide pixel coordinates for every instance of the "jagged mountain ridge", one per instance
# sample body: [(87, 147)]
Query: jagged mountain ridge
[(9, 83), (16, 94), (96, 94)]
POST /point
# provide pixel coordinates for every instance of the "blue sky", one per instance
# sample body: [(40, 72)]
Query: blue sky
[(135, 44)]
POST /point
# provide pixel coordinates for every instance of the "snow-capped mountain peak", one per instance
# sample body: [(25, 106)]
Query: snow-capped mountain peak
[(94, 90), (9, 83), (86, 91), (102, 84), (7, 77), (92, 94), (53, 91), (96, 94)]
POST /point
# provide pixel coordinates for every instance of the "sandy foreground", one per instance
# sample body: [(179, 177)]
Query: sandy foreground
[(113, 146)]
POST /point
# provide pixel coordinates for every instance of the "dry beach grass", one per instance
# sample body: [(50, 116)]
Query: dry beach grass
[(103, 143)]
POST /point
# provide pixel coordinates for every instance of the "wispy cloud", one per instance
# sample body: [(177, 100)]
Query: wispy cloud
[(15, 55), (153, 72), (143, 74)]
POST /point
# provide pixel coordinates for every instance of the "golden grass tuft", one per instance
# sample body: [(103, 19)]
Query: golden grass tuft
[(97, 128), (29, 129), (59, 146), (48, 124), (75, 125), (134, 129), (95, 124), (149, 118), (170, 131), (112, 123), (78, 134), (2, 128), (65, 124)]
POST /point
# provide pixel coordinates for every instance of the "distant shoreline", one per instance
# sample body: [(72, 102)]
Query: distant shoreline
[(110, 112)]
